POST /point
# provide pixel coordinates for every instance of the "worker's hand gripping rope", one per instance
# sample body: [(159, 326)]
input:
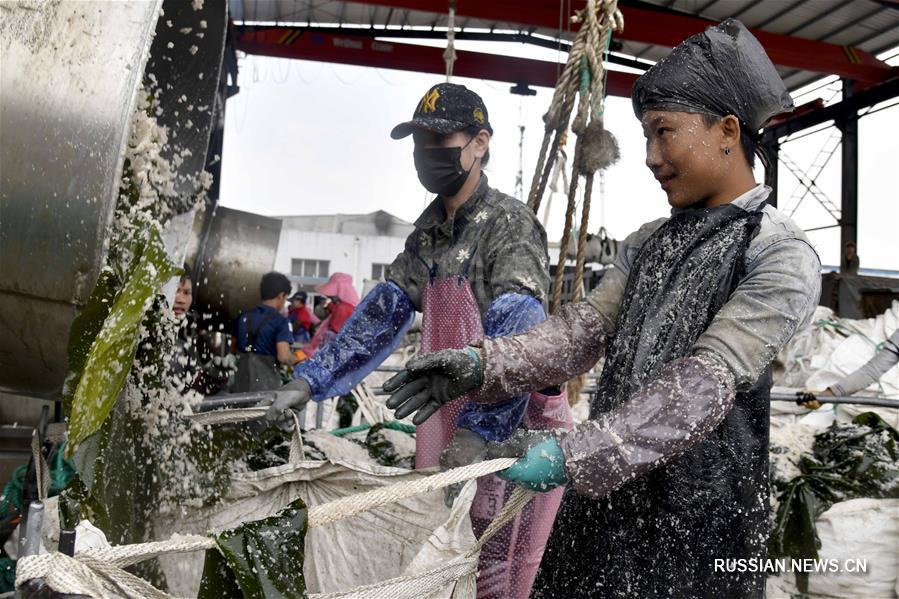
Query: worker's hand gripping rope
[(541, 466), (294, 395)]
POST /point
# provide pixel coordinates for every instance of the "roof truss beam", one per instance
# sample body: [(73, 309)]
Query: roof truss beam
[(292, 42), (646, 25)]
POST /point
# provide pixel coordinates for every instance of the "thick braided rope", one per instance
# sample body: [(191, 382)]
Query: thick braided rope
[(86, 574), (599, 32), (412, 586), (599, 35), (556, 302), (538, 181), (589, 44), (577, 289), (517, 500), (590, 28), (333, 511), (557, 117)]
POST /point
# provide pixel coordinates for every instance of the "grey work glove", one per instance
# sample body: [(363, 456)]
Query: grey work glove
[(467, 447), (430, 381), (294, 396)]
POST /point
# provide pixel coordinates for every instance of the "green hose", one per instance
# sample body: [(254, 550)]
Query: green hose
[(392, 424), (61, 472)]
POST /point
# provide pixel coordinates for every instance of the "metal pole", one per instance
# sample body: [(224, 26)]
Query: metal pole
[(881, 402), (859, 400), (848, 124), (30, 543), (226, 400)]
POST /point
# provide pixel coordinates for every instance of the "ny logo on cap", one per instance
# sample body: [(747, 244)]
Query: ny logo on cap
[(429, 101)]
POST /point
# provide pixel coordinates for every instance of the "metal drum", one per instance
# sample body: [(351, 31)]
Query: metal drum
[(238, 248), (67, 92)]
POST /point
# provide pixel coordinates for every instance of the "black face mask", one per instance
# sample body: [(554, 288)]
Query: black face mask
[(440, 169)]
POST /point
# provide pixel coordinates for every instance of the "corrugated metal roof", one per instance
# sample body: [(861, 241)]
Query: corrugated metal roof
[(870, 25)]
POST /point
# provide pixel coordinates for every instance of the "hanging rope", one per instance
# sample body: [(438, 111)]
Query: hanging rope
[(559, 170), (449, 54), (519, 178), (582, 80)]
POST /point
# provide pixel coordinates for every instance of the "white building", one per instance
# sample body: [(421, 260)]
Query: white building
[(313, 247)]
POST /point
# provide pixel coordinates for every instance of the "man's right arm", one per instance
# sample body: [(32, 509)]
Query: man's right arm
[(561, 347), (371, 334), (375, 328), (568, 343), (870, 372)]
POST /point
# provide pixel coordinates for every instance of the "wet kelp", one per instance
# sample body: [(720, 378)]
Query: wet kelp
[(860, 459), (132, 451), (259, 560)]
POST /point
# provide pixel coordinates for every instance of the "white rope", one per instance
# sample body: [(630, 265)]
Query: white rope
[(333, 511), (367, 404), (296, 453), (449, 54), (412, 586), (92, 578)]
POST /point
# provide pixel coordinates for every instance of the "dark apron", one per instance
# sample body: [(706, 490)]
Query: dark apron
[(256, 372), (659, 535)]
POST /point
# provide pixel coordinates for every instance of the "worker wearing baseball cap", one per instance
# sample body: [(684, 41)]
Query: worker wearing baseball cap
[(476, 264)]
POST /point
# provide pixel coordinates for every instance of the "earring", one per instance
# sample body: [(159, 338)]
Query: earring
[(727, 151)]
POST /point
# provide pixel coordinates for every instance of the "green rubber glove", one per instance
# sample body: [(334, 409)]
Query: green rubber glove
[(540, 469)]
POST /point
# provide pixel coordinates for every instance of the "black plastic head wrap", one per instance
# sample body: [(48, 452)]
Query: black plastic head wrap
[(721, 71)]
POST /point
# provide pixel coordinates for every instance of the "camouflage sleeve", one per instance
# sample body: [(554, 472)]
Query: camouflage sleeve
[(409, 271), (518, 262)]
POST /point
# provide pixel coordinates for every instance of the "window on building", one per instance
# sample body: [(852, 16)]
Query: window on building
[(379, 271), (313, 269)]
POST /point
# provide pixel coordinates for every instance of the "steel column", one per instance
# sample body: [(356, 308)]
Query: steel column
[(848, 124)]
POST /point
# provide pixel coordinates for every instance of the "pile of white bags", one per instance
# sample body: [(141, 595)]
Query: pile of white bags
[(859, 529), (832, 347)]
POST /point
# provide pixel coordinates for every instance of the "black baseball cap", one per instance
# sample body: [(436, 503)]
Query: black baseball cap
[(446, 108)]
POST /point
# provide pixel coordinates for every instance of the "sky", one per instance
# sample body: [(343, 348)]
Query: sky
[(306, 137)]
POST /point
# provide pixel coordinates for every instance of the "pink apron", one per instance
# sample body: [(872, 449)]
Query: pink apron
[(509, 561)]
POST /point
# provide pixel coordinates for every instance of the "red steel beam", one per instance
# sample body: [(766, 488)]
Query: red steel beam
[(289, 42), (665, 29)]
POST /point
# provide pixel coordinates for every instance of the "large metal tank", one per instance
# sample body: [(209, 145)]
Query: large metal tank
[(238, 248), (67, 91)]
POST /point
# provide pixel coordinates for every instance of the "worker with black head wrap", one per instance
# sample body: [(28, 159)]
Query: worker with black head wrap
[(668, 477)]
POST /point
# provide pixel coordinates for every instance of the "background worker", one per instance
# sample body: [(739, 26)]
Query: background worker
[(851, 262), (342, 300), (300, 318), (866, 375), (670, 471), (263, 338), (475, 264)]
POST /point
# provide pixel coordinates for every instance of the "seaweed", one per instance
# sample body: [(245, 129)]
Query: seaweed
[(847, 462), (259, 560)]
